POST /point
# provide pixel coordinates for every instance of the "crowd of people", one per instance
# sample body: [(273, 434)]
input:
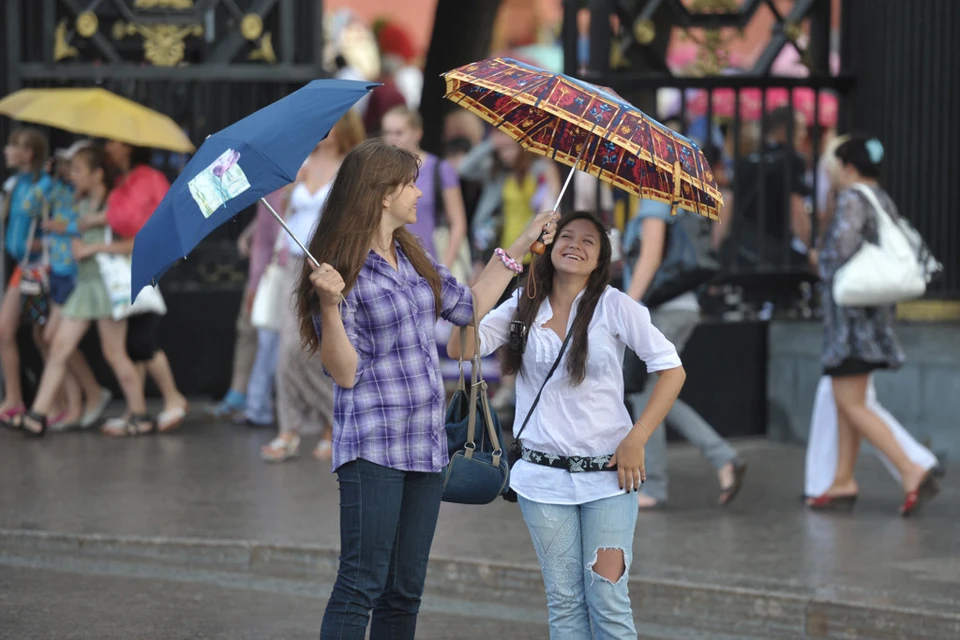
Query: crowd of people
[(64, 217), (422, 244)]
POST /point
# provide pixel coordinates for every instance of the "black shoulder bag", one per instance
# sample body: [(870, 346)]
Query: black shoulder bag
[(513, 453)]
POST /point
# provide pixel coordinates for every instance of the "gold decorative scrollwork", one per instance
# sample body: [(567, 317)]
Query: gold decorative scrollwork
[(61, 48), (251, 27), (644, 31), (713, 55), (87, 24), (265, 51), (163, 4), (162, 43)]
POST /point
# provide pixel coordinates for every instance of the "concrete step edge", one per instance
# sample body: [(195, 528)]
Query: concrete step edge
[(720, 608)]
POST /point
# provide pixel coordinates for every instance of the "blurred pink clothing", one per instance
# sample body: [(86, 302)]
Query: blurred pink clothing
[(264, 238)]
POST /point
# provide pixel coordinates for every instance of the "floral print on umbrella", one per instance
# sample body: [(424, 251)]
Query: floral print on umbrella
[(223, 180)]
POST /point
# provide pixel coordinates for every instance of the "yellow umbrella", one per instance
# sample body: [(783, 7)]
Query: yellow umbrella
[(97, 113)]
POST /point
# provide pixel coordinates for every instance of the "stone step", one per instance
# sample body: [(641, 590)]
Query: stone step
[(664, 608)]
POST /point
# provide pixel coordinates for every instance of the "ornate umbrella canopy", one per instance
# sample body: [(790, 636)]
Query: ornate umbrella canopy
[(590, 128)]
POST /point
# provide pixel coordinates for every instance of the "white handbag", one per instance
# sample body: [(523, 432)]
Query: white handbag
[(879, 274), (115, 273), (270, 301)]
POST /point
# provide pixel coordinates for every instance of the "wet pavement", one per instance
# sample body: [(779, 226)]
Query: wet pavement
[(762, 568)]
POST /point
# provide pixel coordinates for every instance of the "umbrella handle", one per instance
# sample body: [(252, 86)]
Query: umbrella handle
[(290, 232)]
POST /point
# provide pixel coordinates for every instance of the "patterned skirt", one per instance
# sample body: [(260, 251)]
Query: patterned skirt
[(304, 391)]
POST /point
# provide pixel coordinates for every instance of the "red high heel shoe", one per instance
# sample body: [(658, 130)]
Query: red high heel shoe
[(923, 494), (825, 502)]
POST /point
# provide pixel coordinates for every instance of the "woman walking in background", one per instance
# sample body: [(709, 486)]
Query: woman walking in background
[(26, 154), (304, 392), (860, 340), (258, 410), (89, 302), (677, 319), (441, 206)]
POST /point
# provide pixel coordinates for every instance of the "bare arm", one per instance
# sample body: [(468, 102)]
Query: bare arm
[(653, 233), (457, 219), (92, 220)]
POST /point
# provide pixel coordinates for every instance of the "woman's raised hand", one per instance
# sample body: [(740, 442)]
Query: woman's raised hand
[(542, 228), (328, 283)]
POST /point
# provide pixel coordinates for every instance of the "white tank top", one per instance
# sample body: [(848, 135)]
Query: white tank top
[(303, 213)]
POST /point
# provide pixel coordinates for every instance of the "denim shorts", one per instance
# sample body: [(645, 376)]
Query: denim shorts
[(61, 287)]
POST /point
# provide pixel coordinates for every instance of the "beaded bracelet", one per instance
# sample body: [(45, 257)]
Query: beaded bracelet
[(507, 261)]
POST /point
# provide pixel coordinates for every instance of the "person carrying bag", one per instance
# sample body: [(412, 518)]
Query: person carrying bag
[(581, 458)]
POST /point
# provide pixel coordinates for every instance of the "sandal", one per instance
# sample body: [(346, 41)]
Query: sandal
[(171, 419), (132, 426), (9, 415), (923, 494), (827, 502), (279, 449), (323, 450), (727, 494), (20, 422), (93, 416)]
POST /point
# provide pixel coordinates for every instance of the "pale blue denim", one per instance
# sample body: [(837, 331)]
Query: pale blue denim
[(259, 408), (581, 603)]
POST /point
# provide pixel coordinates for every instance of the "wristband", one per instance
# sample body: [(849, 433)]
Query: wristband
[(507, 261)]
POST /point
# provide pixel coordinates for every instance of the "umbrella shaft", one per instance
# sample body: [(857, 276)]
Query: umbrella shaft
[(573, 170), (290, 232)]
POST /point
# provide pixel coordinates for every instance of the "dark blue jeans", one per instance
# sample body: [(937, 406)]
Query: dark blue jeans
[(387, 522)]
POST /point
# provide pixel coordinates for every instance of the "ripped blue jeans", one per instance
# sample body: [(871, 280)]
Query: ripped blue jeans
[(567, 538)]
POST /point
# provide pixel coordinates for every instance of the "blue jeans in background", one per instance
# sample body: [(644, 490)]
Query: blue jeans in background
[(387, 521), (567, 538), (259, 408)]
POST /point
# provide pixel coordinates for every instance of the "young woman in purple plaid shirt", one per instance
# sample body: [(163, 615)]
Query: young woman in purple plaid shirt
[(370, 310)]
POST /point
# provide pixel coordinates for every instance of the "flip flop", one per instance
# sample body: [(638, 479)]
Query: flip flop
[(171, 419), (93, 416), (727, 494)]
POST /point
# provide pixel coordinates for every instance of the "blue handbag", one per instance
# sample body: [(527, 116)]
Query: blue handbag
[(478, 471)]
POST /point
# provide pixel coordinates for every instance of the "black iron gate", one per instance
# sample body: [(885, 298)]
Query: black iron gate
[(205, 63)]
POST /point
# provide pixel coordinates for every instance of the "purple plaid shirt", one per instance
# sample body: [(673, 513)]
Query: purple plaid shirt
[(394, 414)]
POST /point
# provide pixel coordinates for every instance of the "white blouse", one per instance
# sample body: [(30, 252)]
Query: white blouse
[(589, 419)]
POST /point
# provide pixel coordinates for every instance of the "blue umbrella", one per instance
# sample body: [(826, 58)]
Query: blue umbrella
[(237, 166)]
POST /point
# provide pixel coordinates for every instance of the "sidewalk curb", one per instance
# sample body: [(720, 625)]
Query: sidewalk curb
[(740, 611)]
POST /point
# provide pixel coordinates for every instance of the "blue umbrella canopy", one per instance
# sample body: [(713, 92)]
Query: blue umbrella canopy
[(235, 167)]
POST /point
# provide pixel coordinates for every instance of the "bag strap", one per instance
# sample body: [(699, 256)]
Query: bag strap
[(536, 400), (478, 387), (883, 218), (34, 223), (26, 254)]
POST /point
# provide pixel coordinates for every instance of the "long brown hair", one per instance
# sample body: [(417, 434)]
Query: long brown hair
[(351, 218), (512, 360)]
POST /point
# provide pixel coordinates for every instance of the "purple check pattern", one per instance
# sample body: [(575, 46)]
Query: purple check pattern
[(393, 416)]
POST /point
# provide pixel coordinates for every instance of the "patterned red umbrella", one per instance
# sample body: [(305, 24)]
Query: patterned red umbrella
[(590, 128)]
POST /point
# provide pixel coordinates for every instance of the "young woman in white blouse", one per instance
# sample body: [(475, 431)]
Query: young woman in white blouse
[(582, 457)]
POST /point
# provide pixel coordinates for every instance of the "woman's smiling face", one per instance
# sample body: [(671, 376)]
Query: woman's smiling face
[(576, 249)]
